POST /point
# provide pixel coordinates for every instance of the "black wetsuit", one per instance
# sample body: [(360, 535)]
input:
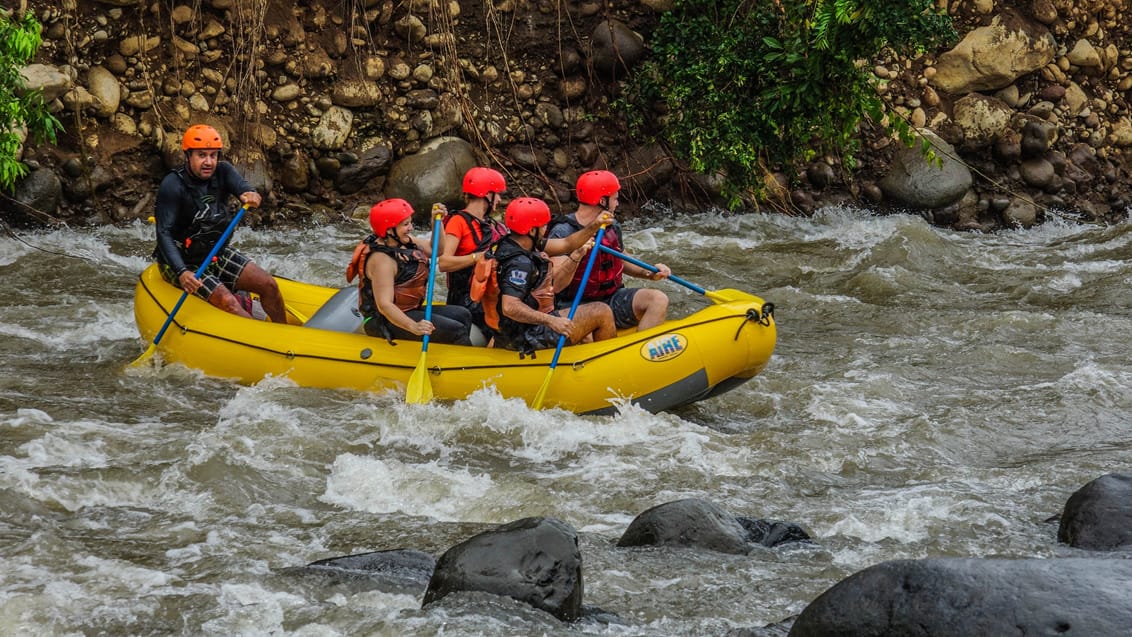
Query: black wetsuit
[(191, 214)]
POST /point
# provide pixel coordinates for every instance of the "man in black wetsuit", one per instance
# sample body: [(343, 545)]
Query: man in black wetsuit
[(192, 213)]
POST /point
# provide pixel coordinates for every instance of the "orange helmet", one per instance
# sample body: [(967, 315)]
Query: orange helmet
[(201, 137), (385, 215), (594, 185), (479, 181), (525, 214)]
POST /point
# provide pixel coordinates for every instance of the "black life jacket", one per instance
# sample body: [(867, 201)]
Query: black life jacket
[(410, 283), (210, 217), (538, 292)]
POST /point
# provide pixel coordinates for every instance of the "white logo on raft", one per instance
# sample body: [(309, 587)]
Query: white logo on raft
[(664, 348)]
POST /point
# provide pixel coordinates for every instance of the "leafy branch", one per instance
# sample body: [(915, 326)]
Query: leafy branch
[(22, 111), (740, 85)]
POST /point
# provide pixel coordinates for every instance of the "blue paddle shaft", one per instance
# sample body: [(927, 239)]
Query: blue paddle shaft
[(432, 265), (578, 295), (652, 268), (203, 266)]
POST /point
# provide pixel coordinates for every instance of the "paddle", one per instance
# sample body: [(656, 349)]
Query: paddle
[(719, 296), (204, 265), (419, 389), (537, 403)]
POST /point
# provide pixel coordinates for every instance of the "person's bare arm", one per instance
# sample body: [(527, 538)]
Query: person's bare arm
[(566, 265), (381, 269), (448, 261), (563, 245), (637, 271)]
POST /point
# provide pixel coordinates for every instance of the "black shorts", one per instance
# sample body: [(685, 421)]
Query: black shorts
[(621, 302), (622, 305), (225, 269)]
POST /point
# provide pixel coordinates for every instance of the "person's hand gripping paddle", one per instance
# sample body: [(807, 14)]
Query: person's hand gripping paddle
[(541, 395), (419, 389)]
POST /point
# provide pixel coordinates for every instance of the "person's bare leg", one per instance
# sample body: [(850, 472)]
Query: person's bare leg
[(256, 279), (223, 298), (650, 307), (596, 319)]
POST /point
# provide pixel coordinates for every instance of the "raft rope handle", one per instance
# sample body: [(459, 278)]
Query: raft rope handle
[(755, 316), (767, 313)]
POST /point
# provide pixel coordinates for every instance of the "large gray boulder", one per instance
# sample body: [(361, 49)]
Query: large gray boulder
[(433, 174), (105, 91), (963, 597), (355, 176), (983, 119), (927, 183), (48, 80), (615, 48), (40, 190), (533, 560), (1098, 516)]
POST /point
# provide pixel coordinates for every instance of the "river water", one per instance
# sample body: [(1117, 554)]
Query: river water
[(933, 394)]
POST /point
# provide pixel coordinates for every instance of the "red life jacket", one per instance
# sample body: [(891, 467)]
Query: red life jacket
[(607, 274)]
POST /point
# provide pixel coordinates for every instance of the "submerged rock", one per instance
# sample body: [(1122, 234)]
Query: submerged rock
[(691, 522), (703, 524), (964, 597), (533, 560), (393, 570), (1098, 516)]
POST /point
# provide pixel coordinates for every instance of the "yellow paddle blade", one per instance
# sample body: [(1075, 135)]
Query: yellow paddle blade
[(419, 389), (146, 355), (541, 395)]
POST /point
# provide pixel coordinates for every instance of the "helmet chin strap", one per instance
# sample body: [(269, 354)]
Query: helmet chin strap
[(538, 244)]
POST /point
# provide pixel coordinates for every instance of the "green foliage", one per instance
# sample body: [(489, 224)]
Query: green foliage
[(747, 84), (20, 109)]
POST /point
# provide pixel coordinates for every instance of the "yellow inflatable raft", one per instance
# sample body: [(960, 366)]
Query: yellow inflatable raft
[(678, 362)]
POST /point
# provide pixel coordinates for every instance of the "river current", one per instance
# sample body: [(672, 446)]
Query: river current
[(932, 393)]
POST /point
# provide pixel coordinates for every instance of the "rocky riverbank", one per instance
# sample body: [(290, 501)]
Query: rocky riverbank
[(329, 107)]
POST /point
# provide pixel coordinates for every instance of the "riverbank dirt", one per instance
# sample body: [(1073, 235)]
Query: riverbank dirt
[(518, 80)]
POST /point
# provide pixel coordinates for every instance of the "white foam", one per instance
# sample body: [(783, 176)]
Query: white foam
[(380, 485)]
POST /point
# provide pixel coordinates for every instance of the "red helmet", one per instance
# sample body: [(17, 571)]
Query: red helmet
[(385, 215), (479, 181), (525, 214), (594, 185), (201, 137)]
